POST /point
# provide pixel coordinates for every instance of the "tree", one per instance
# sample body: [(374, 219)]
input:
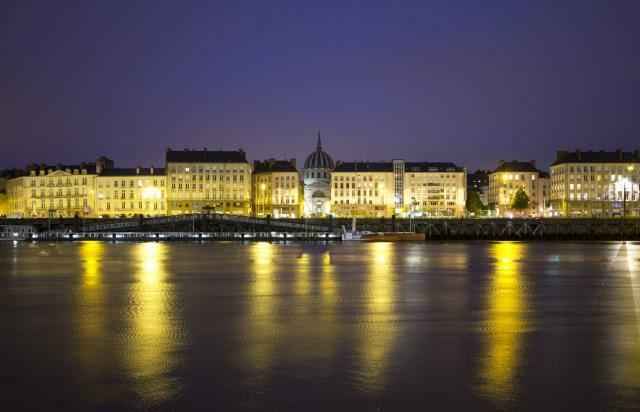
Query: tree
[(520, 200), (474, 204)]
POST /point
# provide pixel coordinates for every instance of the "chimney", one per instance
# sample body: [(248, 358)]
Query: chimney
[(560, 155), (500, 163), (151, 170), (293, 162), (619, 153), (137, 170)]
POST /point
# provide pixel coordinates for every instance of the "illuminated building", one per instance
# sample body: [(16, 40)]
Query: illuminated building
[(203, 180), (129, 192), (382, 189), (4, 199), (317, 182), (276, 189), (600, 184), (508, 178), (58, 191)]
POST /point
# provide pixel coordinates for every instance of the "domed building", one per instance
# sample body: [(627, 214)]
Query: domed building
[(317, 182)]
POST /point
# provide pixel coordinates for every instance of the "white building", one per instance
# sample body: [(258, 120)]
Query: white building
[(317, 182)]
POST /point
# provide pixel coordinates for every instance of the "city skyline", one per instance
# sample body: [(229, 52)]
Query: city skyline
[(434, 83)]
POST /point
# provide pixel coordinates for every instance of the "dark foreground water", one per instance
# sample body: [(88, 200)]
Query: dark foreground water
[(370, 326)]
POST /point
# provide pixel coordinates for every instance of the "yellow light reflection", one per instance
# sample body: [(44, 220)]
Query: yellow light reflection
[(262, 324), (90, 310), (152, 336), (328, 287), (378, 332), (303, 281), (505, 322), (91, 254)]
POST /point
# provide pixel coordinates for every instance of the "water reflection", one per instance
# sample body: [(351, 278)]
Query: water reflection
[(505, 322), (153, 335), (302, 284), (90, 301), (626, 324), (262, 328), (379, 331), (328, 286)]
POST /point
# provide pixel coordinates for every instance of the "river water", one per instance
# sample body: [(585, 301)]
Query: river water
[(351, 326)]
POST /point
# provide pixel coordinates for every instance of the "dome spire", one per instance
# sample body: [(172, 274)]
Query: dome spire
[(319, 142)]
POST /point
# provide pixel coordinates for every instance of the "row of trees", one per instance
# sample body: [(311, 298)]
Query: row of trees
[(475, 206)]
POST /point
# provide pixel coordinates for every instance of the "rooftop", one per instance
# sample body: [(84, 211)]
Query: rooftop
[(618, 156), (516, 166), (388, 167), (364, 167), (272, 165), (89, 167), (206, 156), (135, 171), (432, 167)]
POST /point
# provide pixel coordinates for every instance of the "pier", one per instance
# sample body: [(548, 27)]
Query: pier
[(229, 227)]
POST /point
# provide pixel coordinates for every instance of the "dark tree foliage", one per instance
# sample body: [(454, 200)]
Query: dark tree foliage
[(520, 200)]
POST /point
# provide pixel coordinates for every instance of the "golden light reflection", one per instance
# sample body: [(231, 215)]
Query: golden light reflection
[(314, 337), (90, 299), (303, 280), (379, 332), (91, 254), (328, 286), (152, 336), (505, 322), (262, 325)]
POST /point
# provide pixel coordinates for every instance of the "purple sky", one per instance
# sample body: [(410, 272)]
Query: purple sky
[(465, 81)]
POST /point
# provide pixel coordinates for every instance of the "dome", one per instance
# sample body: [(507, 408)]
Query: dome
[(319, 159)]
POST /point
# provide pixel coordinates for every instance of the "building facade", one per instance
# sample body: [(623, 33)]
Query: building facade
[(362, 189), (130, 192), (508, 178), (4, 199), (595, 184), (384, 189), (54, 191), (277, 189), (317, 182), (203, 180), (435, 189)]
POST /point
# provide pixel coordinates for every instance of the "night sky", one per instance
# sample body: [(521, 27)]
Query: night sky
[(465, 81)]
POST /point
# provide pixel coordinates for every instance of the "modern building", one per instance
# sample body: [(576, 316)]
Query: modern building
[(130, 192), (55, 191), (598, 184), (277, 189), (508, 178), (384, 189), (317, 182), (204, 180)]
